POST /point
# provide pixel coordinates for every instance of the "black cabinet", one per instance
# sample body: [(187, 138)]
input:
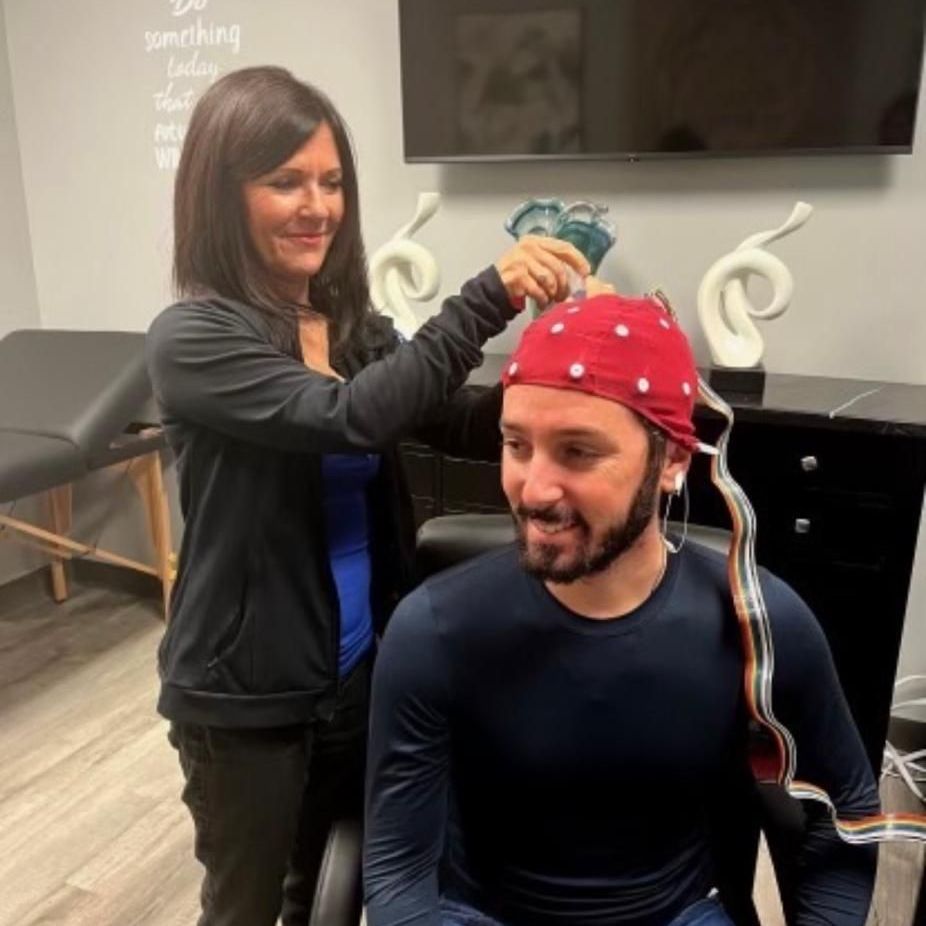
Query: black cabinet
[(838, 513), (835, 470)]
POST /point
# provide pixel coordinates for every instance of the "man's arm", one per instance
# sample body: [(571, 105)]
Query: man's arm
[(407, 770), (835, 879)]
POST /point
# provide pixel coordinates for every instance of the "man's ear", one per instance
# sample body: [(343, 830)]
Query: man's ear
[(675, 469)]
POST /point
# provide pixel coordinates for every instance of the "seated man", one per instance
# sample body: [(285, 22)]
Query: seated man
[(553, 722)]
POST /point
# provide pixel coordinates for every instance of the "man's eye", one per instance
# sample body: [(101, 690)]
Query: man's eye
[(512, 444), (580, 453)]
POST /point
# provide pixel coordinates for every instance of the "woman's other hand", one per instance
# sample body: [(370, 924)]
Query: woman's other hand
[(536, 267), (596, 287)]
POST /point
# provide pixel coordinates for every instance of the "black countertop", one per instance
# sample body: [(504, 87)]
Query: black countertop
[(840, 404)]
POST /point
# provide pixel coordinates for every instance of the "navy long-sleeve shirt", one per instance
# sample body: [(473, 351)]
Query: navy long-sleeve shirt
[(549, 769)]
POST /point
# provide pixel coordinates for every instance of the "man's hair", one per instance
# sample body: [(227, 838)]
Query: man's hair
[(245, 125), (656, 441)]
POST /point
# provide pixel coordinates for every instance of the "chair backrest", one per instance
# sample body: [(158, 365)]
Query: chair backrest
[(449, 539)]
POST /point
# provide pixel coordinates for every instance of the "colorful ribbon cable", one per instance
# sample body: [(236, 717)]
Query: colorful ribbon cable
[(779, 762)]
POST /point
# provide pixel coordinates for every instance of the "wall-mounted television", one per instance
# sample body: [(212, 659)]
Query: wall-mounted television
[(528, 79)]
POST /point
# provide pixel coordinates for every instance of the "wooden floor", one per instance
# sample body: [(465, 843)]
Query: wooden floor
[(92, 830)]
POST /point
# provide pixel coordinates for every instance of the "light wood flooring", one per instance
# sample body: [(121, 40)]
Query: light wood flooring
[(92, 830)]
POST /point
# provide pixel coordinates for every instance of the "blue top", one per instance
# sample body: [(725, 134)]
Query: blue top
[(346, 477), (549, 769)]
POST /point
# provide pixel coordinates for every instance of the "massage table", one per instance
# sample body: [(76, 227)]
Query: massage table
[(74, 403)]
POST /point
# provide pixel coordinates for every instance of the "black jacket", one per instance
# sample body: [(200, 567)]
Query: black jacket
[(254, 631)]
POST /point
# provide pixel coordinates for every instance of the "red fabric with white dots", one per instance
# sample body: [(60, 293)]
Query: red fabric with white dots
[(628, 350)]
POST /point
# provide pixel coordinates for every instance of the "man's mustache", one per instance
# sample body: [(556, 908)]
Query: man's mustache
[(562, 516)]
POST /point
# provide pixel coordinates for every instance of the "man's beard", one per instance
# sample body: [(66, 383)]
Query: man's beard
[(550, 563)]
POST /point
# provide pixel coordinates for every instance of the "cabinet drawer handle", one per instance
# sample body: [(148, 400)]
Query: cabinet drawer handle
[(801, 526), (809, 464)]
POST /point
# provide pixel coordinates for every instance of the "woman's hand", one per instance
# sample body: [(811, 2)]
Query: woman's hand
[(536, 267), (596, 287)]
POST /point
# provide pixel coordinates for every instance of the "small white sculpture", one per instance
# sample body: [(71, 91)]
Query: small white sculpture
[(723, 306), (402, 269)]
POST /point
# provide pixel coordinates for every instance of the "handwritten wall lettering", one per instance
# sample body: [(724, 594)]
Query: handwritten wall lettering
[(195, 49), (199, 34), (182, 7)]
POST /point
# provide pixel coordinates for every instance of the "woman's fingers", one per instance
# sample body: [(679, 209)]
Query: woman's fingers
[(563, 251), (550, 277), (551, 273), (557, 258), (595, 287), (536, 267), (522, 282)]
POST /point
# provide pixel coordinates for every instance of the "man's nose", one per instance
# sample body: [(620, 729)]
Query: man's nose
[(542, 485)]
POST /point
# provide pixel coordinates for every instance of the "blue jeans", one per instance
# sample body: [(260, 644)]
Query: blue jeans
[(707, 912)]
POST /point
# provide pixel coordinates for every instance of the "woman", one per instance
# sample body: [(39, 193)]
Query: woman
[(283, 397)]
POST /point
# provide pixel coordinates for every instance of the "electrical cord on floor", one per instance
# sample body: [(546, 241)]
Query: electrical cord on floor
[(910, 767)]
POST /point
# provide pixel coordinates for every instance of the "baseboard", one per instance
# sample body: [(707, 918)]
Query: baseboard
[(25, 589), (81, 573), (93, 573)]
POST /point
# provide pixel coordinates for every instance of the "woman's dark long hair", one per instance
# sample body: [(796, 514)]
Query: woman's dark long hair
[(245, 125)]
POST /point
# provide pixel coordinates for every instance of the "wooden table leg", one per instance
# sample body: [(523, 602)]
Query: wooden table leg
[(59, 506), (149, 480)]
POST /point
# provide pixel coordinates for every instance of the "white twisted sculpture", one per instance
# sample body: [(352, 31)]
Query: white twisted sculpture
[(402, 269), (723, 306)]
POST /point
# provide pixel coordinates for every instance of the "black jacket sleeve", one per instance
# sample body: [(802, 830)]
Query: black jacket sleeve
[(835, 879), (210, 367), (467, 425)]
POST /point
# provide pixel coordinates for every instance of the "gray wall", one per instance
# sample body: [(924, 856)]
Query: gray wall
[(84, 85), (100, 216), (19, 307)]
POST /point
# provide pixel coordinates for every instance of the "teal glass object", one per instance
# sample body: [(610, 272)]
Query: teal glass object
[(582, 224)]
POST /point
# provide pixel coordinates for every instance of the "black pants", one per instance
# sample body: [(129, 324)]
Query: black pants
[(262, 803)]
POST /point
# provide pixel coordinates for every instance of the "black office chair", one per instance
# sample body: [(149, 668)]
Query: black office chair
[(338, 894)]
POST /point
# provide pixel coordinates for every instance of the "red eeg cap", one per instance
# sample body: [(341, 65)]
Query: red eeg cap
[(628, 350)]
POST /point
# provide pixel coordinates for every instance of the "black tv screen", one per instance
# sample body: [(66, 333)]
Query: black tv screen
[(525, 79)]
